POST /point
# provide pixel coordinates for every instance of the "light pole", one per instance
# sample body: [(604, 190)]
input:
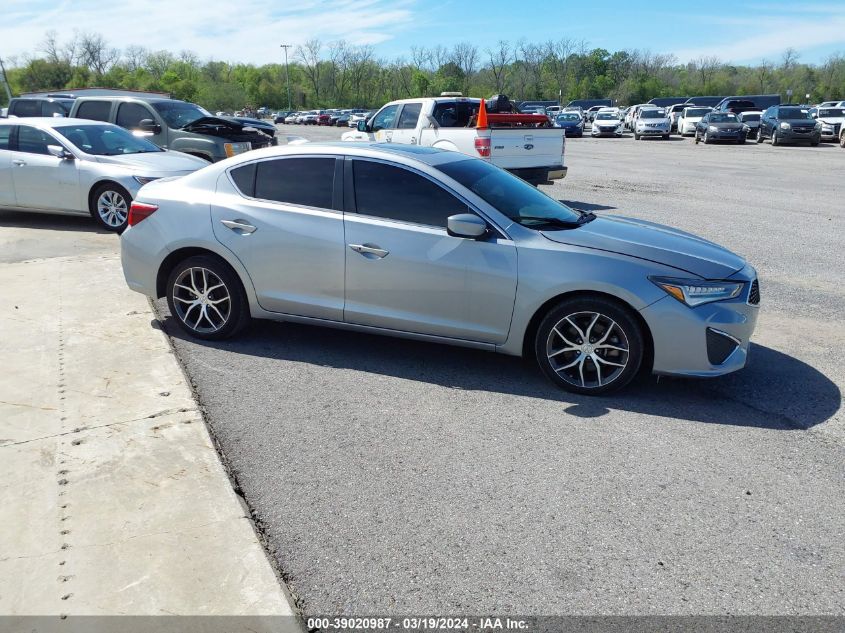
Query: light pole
[(287, 73), (5, 81)]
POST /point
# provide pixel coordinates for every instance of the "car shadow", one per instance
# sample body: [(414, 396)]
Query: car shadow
[(775, 391), (52, 222)]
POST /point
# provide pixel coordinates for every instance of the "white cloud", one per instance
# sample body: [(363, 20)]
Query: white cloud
[(232, 30)]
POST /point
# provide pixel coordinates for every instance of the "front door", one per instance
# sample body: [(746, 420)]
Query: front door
[(405, 272), (42, 181), (281, 218), (406, 130)]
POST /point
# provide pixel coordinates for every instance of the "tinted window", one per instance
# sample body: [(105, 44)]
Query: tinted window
[(244, 178), (305, 181), (794, 113), (95, 110), (750, 117), (5, 132), (398, 194), (409, 117), (105, 140), (34, 141), (130, 115), (26, 108), (49, 108), (385, 118)]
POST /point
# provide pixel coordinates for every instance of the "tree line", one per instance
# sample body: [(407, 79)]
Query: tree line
[(338, 74)]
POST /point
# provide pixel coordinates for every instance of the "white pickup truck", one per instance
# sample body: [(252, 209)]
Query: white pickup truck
[(533, 153)]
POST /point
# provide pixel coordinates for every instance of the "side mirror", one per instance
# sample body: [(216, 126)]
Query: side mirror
[(60, 152), (362, 126), (148, 125), (467, 225)]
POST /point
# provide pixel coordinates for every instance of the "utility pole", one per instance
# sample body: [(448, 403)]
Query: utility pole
[(5, 81), (287, 72)]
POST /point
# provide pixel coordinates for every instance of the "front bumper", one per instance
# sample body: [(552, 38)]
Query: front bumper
[(597, 130), (691, 341), (831, 134), (795, 136), (652, 131)]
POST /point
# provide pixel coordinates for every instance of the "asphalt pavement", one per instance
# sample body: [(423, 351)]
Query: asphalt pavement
[(395, 477)]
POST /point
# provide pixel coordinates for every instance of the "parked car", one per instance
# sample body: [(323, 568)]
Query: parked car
[(607, 123), (309, 118), (690, 116), (176, 125), (591, 299), (292, 117), (720, 126), (280, 117), (652, 122), (78, 167), (533, 151), (39, 106), (343, 119), (571, 122), (789, 124), (751, 120), (358, 116), (737, 106), (634, 112), (831, 120), (674, 113), (591, 112), (324, 119)]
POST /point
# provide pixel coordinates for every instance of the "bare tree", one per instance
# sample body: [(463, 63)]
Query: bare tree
[(421, 58), (706, 66), (558, 56), (465, 57), (763, 73), (309, 56), (499, 60), (789, 58), (135, 57), (532, 58), (97, 54)]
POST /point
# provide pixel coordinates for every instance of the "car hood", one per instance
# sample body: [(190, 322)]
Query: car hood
[(156, 162), (832, 119), (653, 242), (727, 125), (607, 122), (658, 121), (215, 121), (569, 123)]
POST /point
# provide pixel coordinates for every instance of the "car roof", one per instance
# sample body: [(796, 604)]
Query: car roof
[(429, 155), (55, 122)]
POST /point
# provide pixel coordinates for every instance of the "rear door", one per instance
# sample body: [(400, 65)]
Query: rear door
[(282, 219), (515, 149), (405, 272), (7, 186)]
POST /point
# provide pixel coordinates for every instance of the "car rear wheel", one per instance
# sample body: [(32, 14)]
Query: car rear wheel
[(206, 298), (110, 207), (589, 345)]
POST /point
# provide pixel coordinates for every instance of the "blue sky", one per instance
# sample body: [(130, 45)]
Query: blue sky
[(251, 30)]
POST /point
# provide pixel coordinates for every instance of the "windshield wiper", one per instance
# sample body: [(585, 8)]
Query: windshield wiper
[(586, 216), (549, 221)]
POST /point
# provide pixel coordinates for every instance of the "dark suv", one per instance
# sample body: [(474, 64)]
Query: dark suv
[(788, 123), (38, 106)]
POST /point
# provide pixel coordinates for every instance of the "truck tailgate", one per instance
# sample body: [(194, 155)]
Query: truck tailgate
[(526, 148)]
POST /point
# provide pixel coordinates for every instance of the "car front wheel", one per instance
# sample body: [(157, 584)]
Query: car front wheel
[(110, 207), (206, 298), (589, 345)]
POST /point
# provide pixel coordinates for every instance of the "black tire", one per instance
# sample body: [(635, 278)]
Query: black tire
[(109, 206), (696, 137), (230, 302), (706, 138), (842, 139), (815, 143), (619, 329), (740, 140), (775, 139), (665, 136), (636, 136)]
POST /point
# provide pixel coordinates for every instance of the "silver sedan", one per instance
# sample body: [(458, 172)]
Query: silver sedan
[(433, 245), (80, 167)]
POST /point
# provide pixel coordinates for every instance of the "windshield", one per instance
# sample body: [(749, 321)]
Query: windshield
[(723, 118), (568, 117), (653, 114), (794, 113), (178, 114), (606, 116), (511, 196), (105, 140), (832, 112), (696, 112)]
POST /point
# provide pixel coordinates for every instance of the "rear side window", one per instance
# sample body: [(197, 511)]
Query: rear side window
[(26, 108), (33, 140), (130, 115), (94, 110), (5, 133), (305, 181), (409, 117), (244, 179), (395, 193), (49, 108)]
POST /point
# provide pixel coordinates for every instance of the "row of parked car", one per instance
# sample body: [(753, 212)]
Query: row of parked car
[(334, 117)]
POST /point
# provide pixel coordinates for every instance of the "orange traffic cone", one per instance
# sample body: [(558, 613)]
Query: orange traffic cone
[(481, 124)]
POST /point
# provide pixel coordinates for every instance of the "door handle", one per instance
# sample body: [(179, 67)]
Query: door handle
[(18, 162), (239, 225), (369, 250)]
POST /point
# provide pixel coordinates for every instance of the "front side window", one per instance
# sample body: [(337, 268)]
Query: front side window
[(130, 115), (409, 117), (105, 140), (306, 181), (385, 118), (396, 193), (34, 141), (94, 110)]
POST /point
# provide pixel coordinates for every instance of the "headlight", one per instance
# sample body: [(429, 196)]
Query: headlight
[(712, 128), (236, 148), (143, 180), (784, 125), (693, 292), (819, 125)]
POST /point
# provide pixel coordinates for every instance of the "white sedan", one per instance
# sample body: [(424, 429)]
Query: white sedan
[(607, 123), (80, 167), (689, 117)]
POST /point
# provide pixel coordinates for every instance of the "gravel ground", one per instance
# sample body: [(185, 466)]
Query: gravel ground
[(396, 477)]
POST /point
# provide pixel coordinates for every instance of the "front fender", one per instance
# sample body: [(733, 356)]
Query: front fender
[(211, 147)]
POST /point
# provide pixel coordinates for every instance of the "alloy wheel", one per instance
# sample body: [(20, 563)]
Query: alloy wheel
[(201, 300), (112, 208), (587, 349)]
